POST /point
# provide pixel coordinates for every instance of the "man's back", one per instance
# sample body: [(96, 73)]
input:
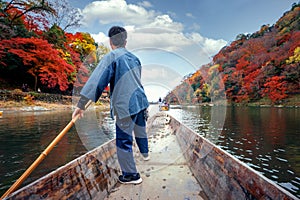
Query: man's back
[(128, 96)]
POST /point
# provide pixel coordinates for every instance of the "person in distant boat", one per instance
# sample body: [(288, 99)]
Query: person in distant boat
[(122, 70), (159, 102)]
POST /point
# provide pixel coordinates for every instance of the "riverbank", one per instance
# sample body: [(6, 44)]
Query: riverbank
[(291, 102), (23, 106), (14, 106), (16, 100), (36, 106)]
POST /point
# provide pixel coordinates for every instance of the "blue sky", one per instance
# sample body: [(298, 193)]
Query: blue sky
[(175, 37), (215, 19)]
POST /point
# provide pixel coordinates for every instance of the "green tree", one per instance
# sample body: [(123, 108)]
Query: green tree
[(55, 35)]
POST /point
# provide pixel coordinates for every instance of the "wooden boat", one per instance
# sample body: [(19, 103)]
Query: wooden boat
[(183, 165)]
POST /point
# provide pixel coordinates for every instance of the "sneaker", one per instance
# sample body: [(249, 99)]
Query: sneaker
[(146, 158), (130, 179)]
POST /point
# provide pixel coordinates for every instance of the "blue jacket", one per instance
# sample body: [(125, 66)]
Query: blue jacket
[(122, 70)]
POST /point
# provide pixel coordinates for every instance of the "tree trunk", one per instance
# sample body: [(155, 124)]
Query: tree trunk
[(35, 82)]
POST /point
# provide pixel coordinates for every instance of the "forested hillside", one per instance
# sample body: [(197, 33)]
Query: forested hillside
[(37, 50), (262, 65)]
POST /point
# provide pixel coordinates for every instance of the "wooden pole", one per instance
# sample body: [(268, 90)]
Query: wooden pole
[(42, 155)]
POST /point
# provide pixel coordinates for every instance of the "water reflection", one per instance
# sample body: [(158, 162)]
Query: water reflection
[(95, 128), (24, 136), (206, 120), (263, 138)]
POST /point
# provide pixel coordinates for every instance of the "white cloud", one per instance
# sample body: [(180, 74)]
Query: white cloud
[(118, 11), (194, 27), (167, 51), (100, 38), (193, 47), (145, 4), (190, 15), (162, 38), (147, 28), (158, 80), (112, 11), (165, 21), (210, 45)]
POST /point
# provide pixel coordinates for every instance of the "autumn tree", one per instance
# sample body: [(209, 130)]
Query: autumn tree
[(28, 13), (90, 53), (42, 61), (56, 36), (82, 43), (275, 88)]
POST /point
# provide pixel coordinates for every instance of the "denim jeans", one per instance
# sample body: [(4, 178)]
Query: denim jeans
[(124, 140)]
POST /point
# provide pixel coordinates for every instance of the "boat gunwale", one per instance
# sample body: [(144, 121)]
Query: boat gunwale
[(74, 162), (218, 149)]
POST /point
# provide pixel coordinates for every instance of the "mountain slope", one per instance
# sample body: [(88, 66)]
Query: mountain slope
[(265, 64)]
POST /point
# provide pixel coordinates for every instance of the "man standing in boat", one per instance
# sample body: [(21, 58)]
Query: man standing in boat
[(122, 70)]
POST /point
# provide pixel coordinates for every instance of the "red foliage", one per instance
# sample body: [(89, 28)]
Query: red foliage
[(281, 39), (32, 16), (72, 37), (42, 60), (242, 63), (36, 24), (275, 88), (256, 65)]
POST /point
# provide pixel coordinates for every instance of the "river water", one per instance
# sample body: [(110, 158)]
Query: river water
[(264, 138)]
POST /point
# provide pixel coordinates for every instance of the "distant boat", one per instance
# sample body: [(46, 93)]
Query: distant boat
[(183, 165), (164, 107)]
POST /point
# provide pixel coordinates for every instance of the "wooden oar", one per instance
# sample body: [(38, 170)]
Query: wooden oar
[(42, 155)]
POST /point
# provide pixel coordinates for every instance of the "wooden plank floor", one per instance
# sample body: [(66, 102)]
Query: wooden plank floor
[(166, 175)]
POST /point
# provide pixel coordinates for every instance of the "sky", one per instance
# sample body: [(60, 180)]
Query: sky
[(174, 38)]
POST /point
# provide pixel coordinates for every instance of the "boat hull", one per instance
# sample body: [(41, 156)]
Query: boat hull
[(95, 174), (92, 175), (220, 174)]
